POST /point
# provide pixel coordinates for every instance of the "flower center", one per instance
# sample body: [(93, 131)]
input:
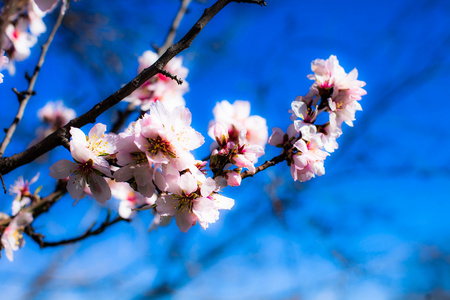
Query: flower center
[(158, 144), (186, 202), (85, 168)]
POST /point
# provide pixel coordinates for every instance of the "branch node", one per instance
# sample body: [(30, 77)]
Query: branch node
[(27, 76), (171, 76)]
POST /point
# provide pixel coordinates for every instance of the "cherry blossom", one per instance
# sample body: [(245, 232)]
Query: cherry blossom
[(54, 115), (135, 164)]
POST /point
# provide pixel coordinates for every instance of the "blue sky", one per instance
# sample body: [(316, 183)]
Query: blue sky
[(375, 226)]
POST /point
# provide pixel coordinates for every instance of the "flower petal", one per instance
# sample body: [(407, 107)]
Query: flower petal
[(62, 169)]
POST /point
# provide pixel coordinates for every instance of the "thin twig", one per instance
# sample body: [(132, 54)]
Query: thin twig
[(174, 28), (267, 164), (55, 139), (3, 183), (39, 238), (24, 97)]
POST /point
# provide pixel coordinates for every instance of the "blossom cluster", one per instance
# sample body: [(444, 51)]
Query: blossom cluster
[(239, 140), (307, 144), (151, 164), (24, 29)]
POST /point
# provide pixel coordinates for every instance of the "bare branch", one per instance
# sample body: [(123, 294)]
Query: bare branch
[(43, 204), (25, 96), (39, 238), (174, 28), (123, 115), (267, 164)]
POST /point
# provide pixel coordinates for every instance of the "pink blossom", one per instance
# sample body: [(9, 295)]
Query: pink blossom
[(247, 156), (191, 201), (135, 164), (160, 88), (129, 198), (167, 137), (233, 178), (279, 138), (21, 40), (21, 190), (12, 238), (87, 164), (308, 162), (55, 114), (242, 128), (341, 90)]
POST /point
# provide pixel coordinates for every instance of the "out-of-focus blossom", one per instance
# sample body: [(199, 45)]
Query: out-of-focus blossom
[(129, 198), (12, 238), (21, 192), (160, 87), (24, 28), (55, 114), (3, 61), (20, 39)]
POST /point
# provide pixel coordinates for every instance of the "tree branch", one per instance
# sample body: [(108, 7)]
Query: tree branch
[(43, 204), (267, 164), (174, 28), (38, 238), (56, 139), (123, 115), (25, 96)]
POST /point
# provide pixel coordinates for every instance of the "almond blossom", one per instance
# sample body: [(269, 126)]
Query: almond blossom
[(54, 115), (341, 90), (21, 190), (242, 128), (191, 201), (88, 153), (308, 162), (12, 238), (134, 164), (160, 87), (167, 137), (129, 198)]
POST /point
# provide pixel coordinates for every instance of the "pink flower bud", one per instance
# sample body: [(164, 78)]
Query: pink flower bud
[(221, 134)]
